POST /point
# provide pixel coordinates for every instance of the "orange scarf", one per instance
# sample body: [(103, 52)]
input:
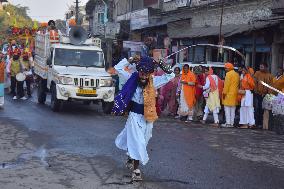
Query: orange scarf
[(149, 94), (248, 83), (189, 91), (213, 85)]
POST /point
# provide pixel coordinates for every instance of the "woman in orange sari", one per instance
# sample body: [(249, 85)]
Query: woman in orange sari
[(187, 93)]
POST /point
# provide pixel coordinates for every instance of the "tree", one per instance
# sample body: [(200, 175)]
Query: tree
[(12, 15)]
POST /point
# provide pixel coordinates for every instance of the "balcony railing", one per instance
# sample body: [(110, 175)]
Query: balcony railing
[(278, 6)]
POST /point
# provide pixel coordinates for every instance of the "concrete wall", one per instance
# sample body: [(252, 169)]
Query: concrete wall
[(173, 5), (201, 2), (98, 28), (236, 14)]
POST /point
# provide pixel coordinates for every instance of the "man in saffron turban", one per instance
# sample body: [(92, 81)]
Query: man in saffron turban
[(230, 94)]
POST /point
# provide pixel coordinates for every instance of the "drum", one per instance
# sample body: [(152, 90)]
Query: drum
[(20, 77), (29, 75)]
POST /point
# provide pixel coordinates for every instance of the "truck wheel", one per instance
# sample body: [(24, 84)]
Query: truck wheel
[(41, 92), (107, 107), (55, 103)]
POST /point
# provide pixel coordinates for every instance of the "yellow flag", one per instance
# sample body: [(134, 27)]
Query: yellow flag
[(15, 24), (35, 25)]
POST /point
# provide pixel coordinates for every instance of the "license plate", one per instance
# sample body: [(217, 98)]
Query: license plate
[(86, 92)]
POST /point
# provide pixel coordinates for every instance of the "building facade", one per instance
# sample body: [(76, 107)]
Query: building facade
[(164, 26)]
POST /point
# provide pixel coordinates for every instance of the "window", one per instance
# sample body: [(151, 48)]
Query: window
[(150, 2), (101, 18), (77, 57)]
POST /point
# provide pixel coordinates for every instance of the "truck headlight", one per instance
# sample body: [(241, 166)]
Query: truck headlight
[(106, 83), (65, 80)]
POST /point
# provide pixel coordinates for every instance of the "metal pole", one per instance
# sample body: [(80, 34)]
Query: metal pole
[(77, 12), (219, 57), (221, 21)]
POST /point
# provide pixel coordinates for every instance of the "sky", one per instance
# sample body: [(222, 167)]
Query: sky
[(44, 10)]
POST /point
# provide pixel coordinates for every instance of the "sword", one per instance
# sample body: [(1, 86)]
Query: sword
[(272, 88), (209, 45)]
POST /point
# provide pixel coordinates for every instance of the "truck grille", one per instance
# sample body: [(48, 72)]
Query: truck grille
[(85, 82)]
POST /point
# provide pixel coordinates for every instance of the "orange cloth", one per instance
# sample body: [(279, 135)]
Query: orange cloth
[(247, 83), (229, 66), (189, 91), (2, 72), (251, 71), (72, 22)]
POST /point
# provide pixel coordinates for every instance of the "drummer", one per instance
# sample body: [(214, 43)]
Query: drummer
[(28, 72), (16, 68)]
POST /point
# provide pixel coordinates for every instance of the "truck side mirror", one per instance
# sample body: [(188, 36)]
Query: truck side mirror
[(49, 61)]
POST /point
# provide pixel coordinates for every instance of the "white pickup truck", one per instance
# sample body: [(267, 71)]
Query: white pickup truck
[(72, 72)]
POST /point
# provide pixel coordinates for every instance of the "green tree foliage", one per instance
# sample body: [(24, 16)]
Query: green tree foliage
[(12, 15), (17, 16)]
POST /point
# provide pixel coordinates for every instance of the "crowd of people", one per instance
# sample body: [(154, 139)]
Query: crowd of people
[(196, 92), (17, 65), (17, 62)]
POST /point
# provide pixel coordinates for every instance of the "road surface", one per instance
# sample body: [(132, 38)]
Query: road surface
[(75, 149)]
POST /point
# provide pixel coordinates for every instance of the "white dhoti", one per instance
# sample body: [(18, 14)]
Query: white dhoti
[(135, 136), (183, 109), (247, 109)]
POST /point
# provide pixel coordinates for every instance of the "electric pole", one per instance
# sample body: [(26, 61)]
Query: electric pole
[(221, 40), (221, 20), (77, 12)]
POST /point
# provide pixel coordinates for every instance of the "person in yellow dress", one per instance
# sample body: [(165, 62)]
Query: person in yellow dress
[(230, 94)]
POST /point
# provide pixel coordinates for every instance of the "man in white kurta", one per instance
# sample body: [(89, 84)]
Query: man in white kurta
[(130, 68), (211, 93), (135, 136)]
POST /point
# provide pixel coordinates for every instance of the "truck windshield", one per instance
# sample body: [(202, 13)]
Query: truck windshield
[(75, 57)]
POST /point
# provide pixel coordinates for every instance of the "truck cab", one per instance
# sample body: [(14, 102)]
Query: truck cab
[(72, 73)]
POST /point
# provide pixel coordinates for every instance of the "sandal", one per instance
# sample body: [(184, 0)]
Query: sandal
[(136, 175), (129, 163), (244, 127)]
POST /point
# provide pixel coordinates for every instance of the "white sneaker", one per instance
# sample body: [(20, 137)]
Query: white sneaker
[(225, 125), (189, 118), (230, 126), (15, 98), (24, 98)]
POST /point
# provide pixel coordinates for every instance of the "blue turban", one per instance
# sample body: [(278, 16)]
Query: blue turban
[(146, 65)]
